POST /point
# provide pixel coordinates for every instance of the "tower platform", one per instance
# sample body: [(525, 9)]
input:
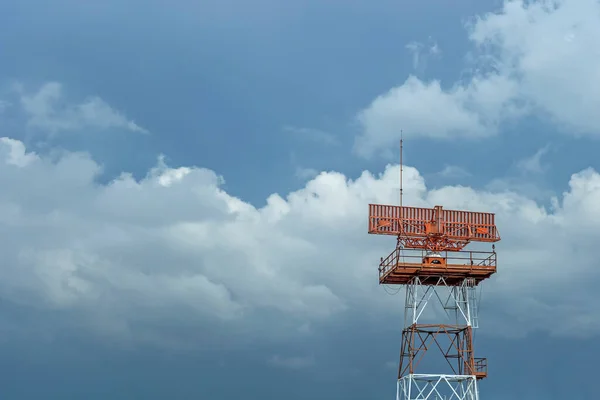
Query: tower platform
[(402, 265)]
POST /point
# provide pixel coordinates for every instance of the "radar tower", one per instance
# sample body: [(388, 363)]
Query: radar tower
[(431, 263)]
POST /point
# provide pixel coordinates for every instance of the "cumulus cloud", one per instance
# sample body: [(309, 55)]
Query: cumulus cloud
[(47, 109), (530, 58), (425, 109), (152, 259), (548, 48)]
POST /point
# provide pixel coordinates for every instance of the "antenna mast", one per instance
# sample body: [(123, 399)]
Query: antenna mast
[(401, 167)]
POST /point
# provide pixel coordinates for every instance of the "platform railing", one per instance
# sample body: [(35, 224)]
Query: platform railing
[(414, 257), (481, 367)]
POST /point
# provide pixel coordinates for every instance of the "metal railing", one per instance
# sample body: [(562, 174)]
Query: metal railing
[(481, 366), (415, 257)]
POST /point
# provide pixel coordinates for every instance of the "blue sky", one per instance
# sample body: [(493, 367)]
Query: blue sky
[(167, 235)]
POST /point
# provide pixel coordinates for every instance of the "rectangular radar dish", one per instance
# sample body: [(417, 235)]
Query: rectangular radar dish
[(418, 222)]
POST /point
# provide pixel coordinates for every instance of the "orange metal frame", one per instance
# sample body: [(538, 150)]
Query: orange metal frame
[(416, 339), (433, 229)]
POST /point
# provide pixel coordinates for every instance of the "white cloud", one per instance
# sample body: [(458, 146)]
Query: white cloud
[(132, 258), (174, 249), (427, 110), (534, 57), (47, 109), (422, 55), (548, 47)]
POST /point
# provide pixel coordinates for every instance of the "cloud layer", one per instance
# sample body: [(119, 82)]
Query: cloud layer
[(145, 259), (530, 58), (48, 110)]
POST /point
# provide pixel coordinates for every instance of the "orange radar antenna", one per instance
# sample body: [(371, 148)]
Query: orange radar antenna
[(429, 259)]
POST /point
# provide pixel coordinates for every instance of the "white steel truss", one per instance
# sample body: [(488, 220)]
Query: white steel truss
[(460, 304), (438, 387), (461, 300)]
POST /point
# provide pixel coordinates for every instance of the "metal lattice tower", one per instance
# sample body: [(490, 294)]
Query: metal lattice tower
[(430, 262)]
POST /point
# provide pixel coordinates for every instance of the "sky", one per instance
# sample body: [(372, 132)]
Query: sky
[(185, 190)]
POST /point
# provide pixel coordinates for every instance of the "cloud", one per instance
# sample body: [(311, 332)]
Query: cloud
[(454, 171), (301, 172), (530, 58), (533, 164), (165, 257), (527, 179), (48, 110), (306, 173), (425, 109), (421, 57), (548, 48)]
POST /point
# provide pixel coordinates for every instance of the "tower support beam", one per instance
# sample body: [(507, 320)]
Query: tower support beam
[(438, 387), (458, 301)]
